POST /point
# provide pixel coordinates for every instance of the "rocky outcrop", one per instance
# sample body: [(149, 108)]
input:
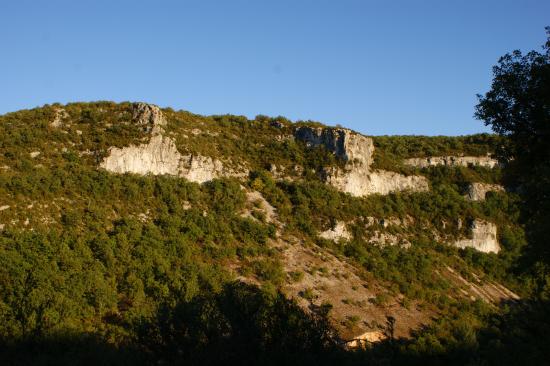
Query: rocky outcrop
[(363, 340), (160, 155), (477, 191), (345, 144), (385, 182), (484, 237), (197, 168), (359, 181), (356, 150), (149, 116), (60, 115), (397, 222), (383, 239), (338, 232), (478, 289), (453, 161)]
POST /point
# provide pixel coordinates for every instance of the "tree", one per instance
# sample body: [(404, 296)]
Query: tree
[(518, 107), (518, 104)]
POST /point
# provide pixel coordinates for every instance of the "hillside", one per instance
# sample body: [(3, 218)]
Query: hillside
[(145, 228)]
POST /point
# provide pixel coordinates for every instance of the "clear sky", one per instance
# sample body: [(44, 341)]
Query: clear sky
[(379, 67)]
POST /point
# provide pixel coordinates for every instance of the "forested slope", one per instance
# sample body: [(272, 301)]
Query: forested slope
[(213, 238)]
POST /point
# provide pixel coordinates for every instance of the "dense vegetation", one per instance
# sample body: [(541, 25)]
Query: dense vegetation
[(114, 263), (391, 150), (518, 107)]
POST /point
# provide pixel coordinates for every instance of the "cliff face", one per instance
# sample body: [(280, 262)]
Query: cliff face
[(149, 116), (359, 181), (477, 191), (484, 237), (357, 178), (160, 155), (452, 161), (345, 144)]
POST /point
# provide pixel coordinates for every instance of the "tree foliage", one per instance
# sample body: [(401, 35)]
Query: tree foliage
[(518, 107)]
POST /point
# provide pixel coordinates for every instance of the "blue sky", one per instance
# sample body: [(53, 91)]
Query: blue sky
[(379, 67)]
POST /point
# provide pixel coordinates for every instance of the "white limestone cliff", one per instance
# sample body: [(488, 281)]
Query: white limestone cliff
[(484, 237), (357, 150), (197, 168), (344, 143), (160, 155), (452, 161)]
